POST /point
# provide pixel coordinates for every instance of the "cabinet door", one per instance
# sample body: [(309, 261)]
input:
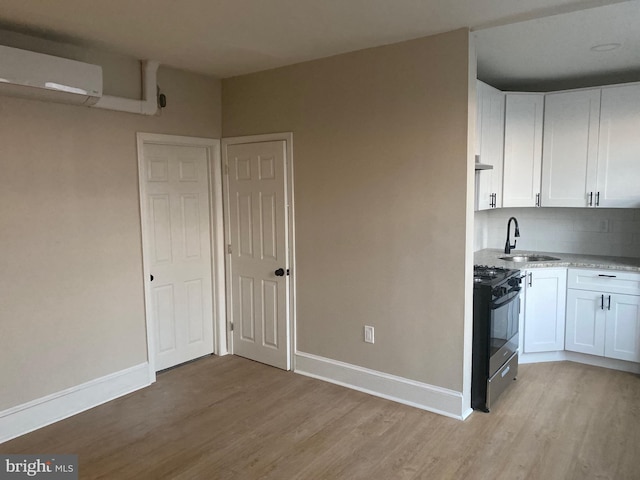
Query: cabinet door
[(570, 148), (490, 138), (545, 302), (622, 337), (619, 147), (522, 149), (585, 322)]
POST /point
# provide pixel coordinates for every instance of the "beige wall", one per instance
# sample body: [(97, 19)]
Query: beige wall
[(71, 286), (380, 159)]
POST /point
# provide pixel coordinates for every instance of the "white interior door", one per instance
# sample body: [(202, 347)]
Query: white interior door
[(176, 212), (258, 258)]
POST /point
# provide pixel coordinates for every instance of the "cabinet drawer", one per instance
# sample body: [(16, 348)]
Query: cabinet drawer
[(613, 281), (502, 379)]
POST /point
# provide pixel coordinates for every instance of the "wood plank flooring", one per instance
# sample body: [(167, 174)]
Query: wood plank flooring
[(231, 418)]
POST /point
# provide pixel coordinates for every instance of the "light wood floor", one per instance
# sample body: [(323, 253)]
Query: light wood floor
[(230, 418)]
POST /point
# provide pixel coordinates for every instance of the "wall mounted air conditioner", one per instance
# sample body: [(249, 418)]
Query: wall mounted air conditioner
[(45, 77)]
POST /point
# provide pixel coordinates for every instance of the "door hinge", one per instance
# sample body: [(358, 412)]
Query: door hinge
[(229, 251), (231, 326), (226, 167)]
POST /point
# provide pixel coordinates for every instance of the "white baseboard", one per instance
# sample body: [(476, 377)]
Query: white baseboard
[(44, 411), (466, 413), (596, 361), (402, 390)]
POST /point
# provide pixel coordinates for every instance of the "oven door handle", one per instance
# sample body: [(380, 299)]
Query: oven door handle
[(513, 295)]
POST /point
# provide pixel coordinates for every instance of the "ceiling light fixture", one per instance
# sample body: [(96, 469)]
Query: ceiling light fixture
[(605, 47)]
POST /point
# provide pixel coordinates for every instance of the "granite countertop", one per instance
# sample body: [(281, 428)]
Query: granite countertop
[(489, 256)]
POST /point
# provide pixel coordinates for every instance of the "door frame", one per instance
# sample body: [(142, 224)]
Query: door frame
[(214, 179), (287, 137)]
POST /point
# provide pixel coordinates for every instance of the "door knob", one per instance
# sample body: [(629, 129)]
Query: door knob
[(279, 272)]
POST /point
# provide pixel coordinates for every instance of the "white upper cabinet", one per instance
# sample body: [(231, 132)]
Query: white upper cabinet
[(570, 148), (522, 149), (618, 175), (589, 155), (489, 145)]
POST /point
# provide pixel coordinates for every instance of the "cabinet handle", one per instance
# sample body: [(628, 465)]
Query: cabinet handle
[(537, 199), (530, 279), (591, 199), (601, 302), (608, 276), (597, 199), (609, 304)]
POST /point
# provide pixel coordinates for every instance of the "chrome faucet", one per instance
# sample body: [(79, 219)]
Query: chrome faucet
[(508, 246)]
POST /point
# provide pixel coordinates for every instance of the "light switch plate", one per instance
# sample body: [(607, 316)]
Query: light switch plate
[(368, 334)]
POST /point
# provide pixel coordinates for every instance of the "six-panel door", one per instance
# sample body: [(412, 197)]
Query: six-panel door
[(178, 251), (258, 234)]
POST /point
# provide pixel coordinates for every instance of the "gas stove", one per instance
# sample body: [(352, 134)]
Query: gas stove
[(491, 276), (496, 308)]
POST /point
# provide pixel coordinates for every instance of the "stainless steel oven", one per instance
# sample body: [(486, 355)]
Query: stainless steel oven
[(496, 309)]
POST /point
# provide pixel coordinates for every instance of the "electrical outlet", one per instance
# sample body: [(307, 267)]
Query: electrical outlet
[(368, 334)]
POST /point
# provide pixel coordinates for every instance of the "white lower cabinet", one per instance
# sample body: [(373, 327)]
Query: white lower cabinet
[(603, 322), (622, 332), (544, 309), (593, 312), (585, 322)]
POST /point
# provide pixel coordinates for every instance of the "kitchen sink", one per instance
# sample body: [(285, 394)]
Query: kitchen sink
[(529, 258)]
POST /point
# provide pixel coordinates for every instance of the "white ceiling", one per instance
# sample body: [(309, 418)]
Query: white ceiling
[(232, 37), (555, 53)]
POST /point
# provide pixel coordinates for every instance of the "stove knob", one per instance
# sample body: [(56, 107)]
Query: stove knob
[(499, 291), (514, 282)]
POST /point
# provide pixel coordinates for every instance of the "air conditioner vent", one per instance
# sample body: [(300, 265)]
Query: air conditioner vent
[(45, 77)]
